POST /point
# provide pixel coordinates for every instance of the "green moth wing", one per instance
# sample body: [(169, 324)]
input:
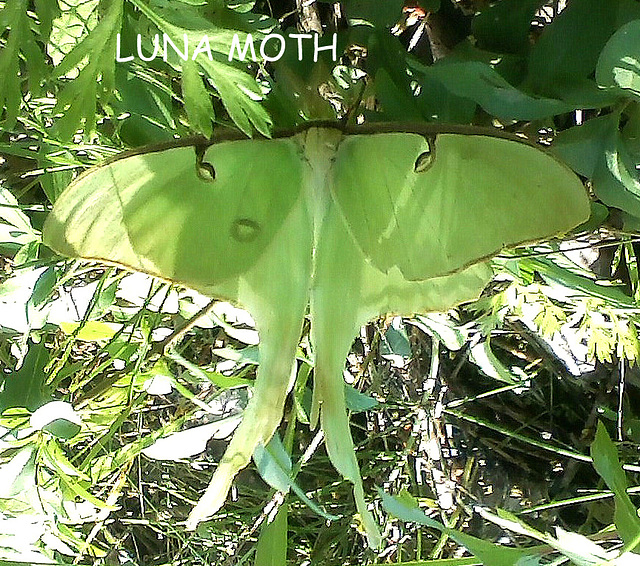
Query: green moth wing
[(432, 204), (348, 292), (152, 211), (139, 212), (353, 224)]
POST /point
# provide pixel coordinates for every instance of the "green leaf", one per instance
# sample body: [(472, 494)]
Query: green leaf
[(147, 104), (374, 13), (274, 466), (54, 456), (443, 329), (26, 386), (578, 548), (396, 98), (615, 180), (582, 147), (95, 81), (568, 49), (485, 359), (248, 355), (17, 475), (481, 83), (47, 12), (92, 330), (15, 226), (619, 62), (239, 91), (505, 26), (598, 150), (632, 430), (271, 549), (43, 289), (54, 182), (21, 45), (57, 417), (192, 441), (61, 466), (396, 342), (406, 509), (387, 63), (357, 401), (196, 100), (244, 109), (606, 463)]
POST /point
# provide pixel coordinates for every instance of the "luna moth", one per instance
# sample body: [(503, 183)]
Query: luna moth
[(352, 223)]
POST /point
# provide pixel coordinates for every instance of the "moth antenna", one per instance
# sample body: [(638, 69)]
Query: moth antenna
[(205, 170), (425, 159)]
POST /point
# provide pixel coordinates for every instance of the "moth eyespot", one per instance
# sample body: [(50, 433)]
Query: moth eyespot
[(205, 170), (426, 158), (245, 230)]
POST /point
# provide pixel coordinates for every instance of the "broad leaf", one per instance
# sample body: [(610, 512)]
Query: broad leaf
[(26, 386), (505, 26), (568, 50), (619, 62), (481, 83)]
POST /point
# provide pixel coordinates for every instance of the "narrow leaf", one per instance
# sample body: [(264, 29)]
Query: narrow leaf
[(274, 466), (407, 509), (606, 463), (196, 99), (272, 544)]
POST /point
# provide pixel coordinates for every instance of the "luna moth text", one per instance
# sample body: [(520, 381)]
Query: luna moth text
[(185, 49)]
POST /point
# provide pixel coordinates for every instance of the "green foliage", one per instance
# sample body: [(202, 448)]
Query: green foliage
[(85, 72), (95, 81), (605, 461), (271, 549), (566, 55), (579, 549), (482, 84), (25, 387), (21, 45), (505, 26)]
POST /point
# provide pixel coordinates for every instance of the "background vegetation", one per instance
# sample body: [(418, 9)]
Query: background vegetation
[(492, 406)]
